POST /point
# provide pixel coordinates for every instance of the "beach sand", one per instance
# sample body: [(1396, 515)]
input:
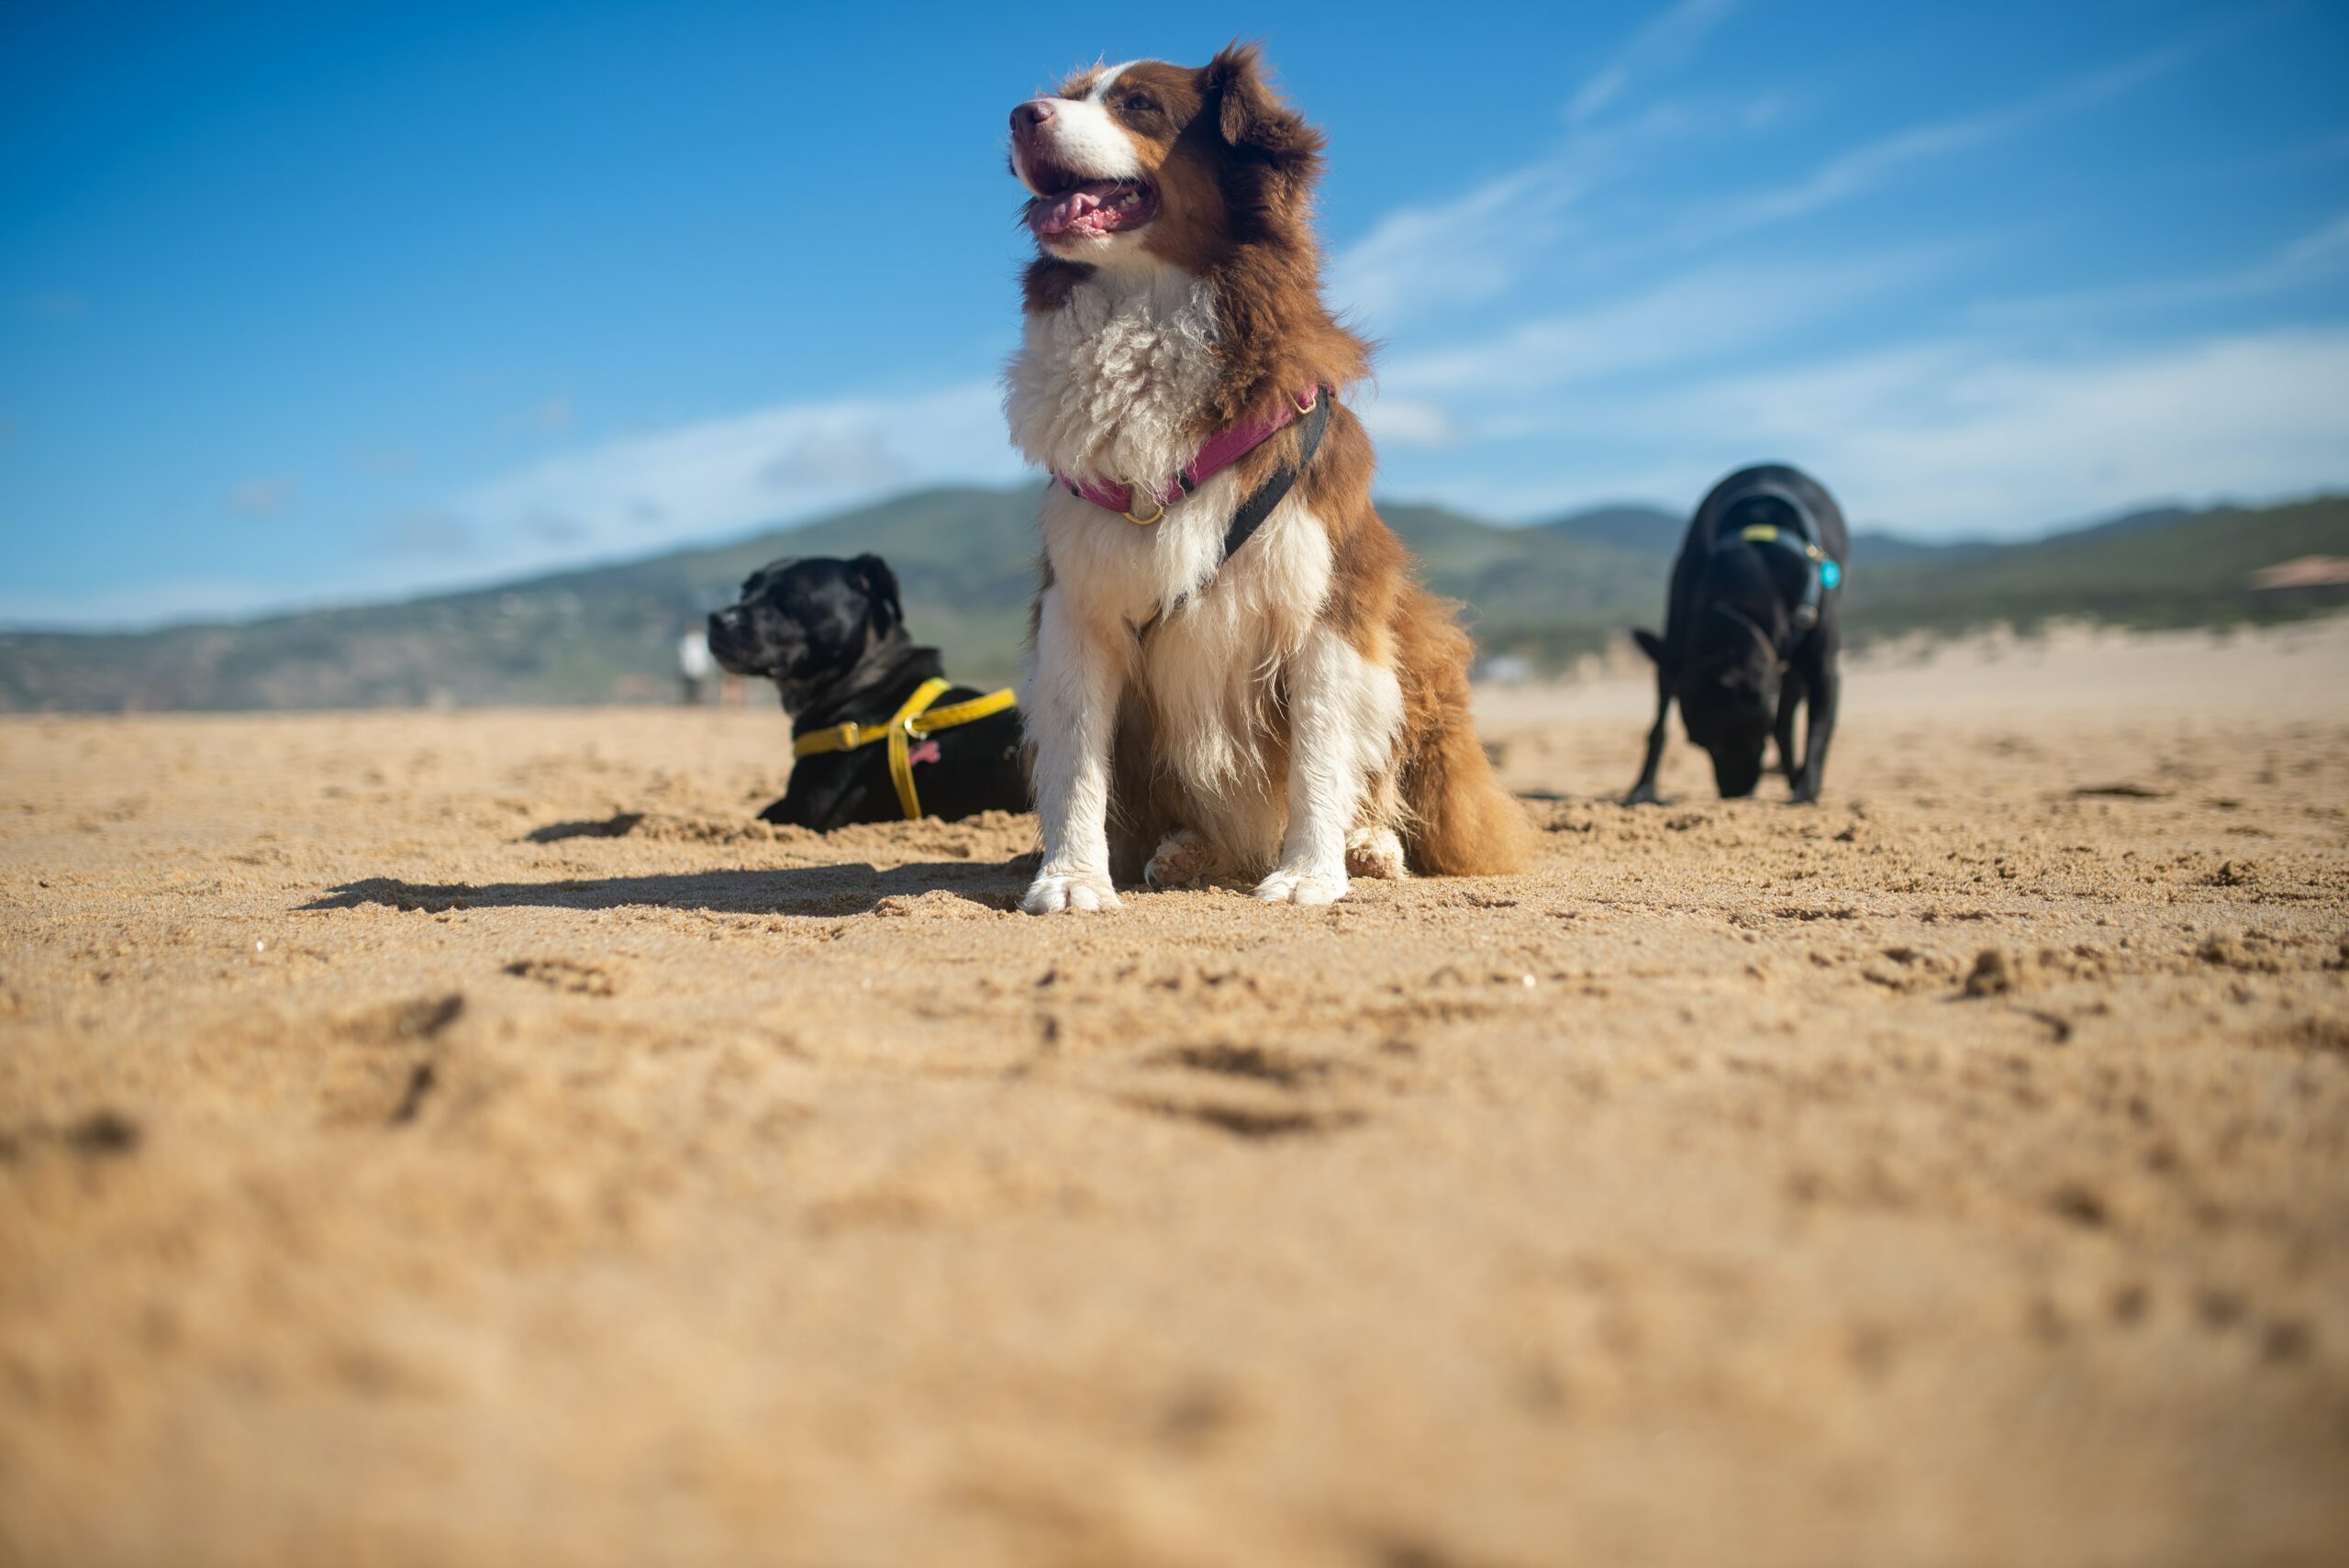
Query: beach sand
[(470, 1139)]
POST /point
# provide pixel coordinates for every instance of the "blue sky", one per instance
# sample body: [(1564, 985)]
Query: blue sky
[(314, 303)]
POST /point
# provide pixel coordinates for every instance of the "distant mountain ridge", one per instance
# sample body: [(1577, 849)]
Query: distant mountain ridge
[(966, 560), (1623, 527)]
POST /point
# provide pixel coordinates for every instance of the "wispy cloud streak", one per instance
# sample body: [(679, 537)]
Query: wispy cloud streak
[(1700, 315), (1477, 245), (1419, 261), (1666, 40), (2313, 259), (1865, 168)]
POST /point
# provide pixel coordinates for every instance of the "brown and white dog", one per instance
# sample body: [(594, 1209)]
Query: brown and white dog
[(1291, 708)]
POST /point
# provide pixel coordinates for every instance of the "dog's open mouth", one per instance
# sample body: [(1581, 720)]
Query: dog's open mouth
[(1089, 208)]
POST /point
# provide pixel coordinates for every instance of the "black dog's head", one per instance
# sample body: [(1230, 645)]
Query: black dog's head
[(1728, 691), (804, 623)]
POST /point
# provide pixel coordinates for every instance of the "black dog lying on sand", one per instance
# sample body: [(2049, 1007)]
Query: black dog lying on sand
[(878, 732), (1751, 630)]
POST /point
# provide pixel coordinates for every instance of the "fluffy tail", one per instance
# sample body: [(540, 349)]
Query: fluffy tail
[(1458, 821)]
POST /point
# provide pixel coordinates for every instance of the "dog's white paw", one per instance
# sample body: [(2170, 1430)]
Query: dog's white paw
[(1183, 859), (1053, 891), (1375, 851), (1306, 887)]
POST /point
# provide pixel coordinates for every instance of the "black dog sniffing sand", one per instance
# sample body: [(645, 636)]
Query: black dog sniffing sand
[(1751, 630), (878, 732)]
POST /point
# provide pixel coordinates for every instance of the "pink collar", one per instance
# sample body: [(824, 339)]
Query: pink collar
[(1220, 452)]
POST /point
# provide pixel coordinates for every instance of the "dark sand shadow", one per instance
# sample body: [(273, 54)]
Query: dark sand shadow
[(807, 892)]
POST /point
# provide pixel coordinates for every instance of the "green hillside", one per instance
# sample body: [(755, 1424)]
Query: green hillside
[(966, 560), (2167, 569)]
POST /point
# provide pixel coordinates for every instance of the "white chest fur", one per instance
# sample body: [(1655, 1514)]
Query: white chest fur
[(1107, 386)]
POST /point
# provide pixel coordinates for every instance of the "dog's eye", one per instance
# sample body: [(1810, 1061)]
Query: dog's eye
[(1140, 103)]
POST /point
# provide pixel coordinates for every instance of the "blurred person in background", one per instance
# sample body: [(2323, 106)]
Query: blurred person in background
[(694, 664)]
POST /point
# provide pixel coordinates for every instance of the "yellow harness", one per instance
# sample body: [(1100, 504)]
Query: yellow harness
[(916, 717), (1770, 533)]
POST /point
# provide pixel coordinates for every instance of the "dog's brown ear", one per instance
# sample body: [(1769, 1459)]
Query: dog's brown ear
[(880, 585), (1248, 113)]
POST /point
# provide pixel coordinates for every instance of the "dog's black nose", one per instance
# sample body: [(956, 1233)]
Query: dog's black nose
[(1031, 113)]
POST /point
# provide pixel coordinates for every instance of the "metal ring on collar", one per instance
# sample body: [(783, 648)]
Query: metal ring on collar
[(1145, 522)]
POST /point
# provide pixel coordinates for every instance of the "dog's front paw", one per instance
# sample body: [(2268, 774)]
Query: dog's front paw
[(1053, 891), (1184, 860), (1375, 851), (1306, 887), (1804, 794)]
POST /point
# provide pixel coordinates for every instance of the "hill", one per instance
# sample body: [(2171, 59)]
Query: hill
[(2172, 569), (1647, 531), (966, 558)]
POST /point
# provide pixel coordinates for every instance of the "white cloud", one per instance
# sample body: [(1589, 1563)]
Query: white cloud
[(862, 459), (779, 464), (2007, 444), (1698, 315), (1470, 248), (1964, 437), (1664, 42), (1405, 421), (1479, 244)]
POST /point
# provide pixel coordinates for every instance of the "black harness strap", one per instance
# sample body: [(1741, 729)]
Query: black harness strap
[(1277, 484), (1260, 503)]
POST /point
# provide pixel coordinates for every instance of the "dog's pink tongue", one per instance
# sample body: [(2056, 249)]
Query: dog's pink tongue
[(1085, 208)]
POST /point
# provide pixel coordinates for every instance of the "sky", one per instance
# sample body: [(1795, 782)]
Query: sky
[(318, 303)]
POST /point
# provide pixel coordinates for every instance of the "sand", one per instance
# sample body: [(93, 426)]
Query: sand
[(467, 1138)]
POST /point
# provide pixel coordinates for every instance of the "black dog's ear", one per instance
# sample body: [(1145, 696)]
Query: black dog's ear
[(1249, 115), (1649, 644), (872, 573)]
